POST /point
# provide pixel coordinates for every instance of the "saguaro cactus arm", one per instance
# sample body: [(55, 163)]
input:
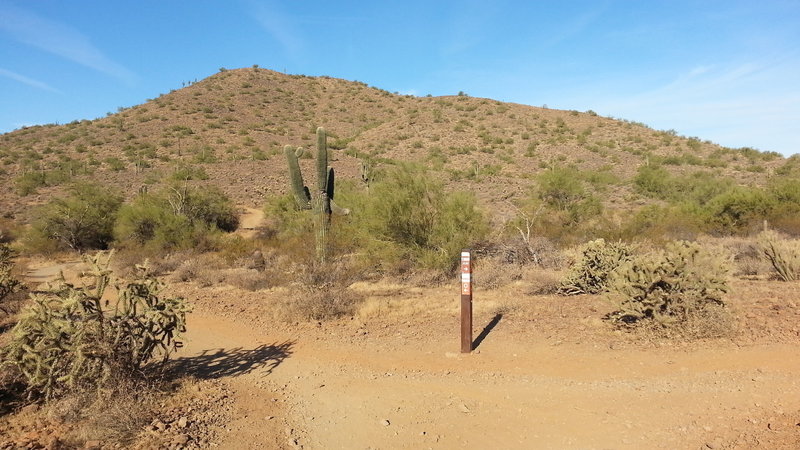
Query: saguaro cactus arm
[(322, 160), (301, 194)]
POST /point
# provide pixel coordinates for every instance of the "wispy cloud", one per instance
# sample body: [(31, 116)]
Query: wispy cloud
[(754, 104), (573, 27), (280, 27), (29, 81), (59, 39), (468, 25)]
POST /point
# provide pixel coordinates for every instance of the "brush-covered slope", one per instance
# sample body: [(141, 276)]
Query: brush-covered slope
[(234, 124)]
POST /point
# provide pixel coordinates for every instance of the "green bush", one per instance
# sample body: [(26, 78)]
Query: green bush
[(410, 211), (671, 285), (404, 221), (591, 274), (653, 181), (69, 338), (561, 188), (28, 183), (738, 210), (177, 217), (83, 220)]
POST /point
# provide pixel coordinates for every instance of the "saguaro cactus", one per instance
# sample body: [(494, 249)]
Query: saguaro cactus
[(322, 201)]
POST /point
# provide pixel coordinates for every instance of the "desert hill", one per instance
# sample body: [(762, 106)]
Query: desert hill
[(234, 124)]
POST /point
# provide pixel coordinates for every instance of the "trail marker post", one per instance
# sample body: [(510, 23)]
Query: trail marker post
[(466, 302)]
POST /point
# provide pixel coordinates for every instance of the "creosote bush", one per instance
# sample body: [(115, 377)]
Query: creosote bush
[(409, 215), (599, 259), (70, 338), (176, 218), (81, 221), (783, 254), (669, 286)]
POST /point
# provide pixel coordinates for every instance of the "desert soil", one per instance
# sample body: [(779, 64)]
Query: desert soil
[(401, 384), (547, 372)]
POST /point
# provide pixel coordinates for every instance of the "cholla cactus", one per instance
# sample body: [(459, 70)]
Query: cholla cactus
[(783, 254), (668, 285), (8, 283), (66, 338), (590, 274)]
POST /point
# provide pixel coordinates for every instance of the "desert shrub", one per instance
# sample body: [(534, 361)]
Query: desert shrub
[(70, 339), (28, 183), (9, 284), (81, 221), (411, 216), (176, 218), (496, 271), (184, 172), (669, 286), (783, 254), (314, 303), (591, 274), (658, 223), (561, 187), (404, 221), (697, 188), (652, 181), (748, 258), (737, 210)]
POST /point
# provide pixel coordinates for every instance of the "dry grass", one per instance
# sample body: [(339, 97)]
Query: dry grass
[(309, 303), (748, 259), (711, 322)]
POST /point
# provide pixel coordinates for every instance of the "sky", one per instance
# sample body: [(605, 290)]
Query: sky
[(726, 71)]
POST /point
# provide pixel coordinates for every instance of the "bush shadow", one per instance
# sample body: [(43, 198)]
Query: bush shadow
[(220, 363)]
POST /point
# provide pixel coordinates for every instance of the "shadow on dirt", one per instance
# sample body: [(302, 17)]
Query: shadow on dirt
[(219, 363), (486, 330)]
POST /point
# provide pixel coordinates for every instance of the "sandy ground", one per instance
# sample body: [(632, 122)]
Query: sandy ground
[(339, 392), (547, 372)]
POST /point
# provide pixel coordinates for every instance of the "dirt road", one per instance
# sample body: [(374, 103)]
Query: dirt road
[(387, 383)]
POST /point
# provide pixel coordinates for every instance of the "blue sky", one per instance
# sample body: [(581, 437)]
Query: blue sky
[(728, 71)]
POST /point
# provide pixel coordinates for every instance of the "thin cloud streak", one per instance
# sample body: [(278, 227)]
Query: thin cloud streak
[(280, 27), (737, 104), (28, 81), (60, 40)]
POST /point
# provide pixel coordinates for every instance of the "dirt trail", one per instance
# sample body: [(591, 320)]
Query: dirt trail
[(249, 221), (334, 392), (543, 377)]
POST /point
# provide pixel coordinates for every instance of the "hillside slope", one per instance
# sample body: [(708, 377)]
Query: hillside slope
[(233, 124)]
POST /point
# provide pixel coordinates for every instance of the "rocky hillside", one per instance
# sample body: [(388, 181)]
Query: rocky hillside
[(233, 125)]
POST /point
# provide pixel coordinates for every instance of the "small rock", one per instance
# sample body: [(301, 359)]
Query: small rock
[(385, 422), (182, 422), (464, 408), (92, 445), (181, 439), (158, 425), (53, 443), (30, 409)]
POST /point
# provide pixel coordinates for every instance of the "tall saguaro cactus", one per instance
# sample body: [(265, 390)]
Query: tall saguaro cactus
[(321, 201)]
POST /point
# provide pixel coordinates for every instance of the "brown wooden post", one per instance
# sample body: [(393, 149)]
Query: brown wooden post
[(466, 302)]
